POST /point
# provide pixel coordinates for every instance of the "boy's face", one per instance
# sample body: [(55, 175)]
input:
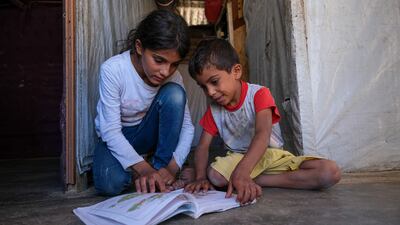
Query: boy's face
[(222, 87)]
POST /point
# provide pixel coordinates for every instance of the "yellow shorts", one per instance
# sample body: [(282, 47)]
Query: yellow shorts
[(274, 161)]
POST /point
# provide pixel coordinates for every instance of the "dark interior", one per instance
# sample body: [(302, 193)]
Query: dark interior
[(31, 78)]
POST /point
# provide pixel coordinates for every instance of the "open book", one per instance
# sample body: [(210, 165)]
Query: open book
[(153, 208)]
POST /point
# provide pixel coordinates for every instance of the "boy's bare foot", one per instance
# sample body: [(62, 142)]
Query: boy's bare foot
[(186, 176)]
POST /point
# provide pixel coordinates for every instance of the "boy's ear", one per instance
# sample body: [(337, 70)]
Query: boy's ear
[(237, 71), (138, 47)]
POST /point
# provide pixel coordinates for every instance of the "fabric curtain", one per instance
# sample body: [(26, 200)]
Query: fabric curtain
[(268, 47)]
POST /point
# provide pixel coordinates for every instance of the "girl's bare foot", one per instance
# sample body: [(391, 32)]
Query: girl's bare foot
[(186, 176)]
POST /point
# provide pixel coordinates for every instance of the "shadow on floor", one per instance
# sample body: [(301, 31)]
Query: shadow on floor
[(31, 193)]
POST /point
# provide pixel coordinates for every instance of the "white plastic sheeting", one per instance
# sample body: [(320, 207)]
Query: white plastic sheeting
[(348, 72), (101, 26)]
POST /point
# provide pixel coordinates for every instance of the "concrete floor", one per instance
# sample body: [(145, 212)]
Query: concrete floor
[(31, 193)]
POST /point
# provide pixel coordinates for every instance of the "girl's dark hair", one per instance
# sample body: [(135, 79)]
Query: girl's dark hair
[(161, 29), (213, 52)]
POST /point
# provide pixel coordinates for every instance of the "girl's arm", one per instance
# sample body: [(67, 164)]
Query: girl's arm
[(110, 129), (109, 117), (187, 132), (259, 142)]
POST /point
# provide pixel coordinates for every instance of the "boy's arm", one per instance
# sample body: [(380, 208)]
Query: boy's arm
[(259, 143), (201, 161), (240, 180), (201, 155)]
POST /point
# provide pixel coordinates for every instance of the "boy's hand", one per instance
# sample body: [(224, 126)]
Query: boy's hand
[(197, 185), (247, 190)]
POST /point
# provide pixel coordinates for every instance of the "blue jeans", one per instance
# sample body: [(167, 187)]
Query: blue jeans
[(157, 133)]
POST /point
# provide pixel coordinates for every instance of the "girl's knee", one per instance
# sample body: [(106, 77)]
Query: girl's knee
[(173, 93), (111, 184), (329, 174), (216, 178)]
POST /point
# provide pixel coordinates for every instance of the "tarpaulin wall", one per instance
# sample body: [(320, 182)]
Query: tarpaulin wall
[(334, 70), (348, 70)]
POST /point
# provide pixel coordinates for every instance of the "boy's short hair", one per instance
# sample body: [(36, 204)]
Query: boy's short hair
[(213, 52)]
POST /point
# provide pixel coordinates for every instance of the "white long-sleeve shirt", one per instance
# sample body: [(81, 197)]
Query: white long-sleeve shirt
[(124, 100)]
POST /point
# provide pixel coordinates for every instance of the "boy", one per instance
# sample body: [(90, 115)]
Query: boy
[(243, 114)]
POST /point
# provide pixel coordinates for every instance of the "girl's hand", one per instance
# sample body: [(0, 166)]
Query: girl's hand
[(186, 176), (148, 179), (197, 185), (166, 176), (150, 182)]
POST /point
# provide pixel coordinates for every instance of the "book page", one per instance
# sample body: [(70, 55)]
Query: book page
[(153, 208), (173, 209), (212, 201), (89, 219), (135, 208)]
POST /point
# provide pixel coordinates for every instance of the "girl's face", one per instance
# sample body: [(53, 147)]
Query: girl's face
[(157, 65)]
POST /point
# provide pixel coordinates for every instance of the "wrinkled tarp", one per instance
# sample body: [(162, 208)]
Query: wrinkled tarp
[(349, 90)]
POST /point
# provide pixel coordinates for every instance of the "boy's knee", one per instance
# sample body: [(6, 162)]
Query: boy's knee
[(216, 178), (329, 174)]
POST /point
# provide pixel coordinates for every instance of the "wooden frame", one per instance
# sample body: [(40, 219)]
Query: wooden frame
[(237, 32), (69, 93), (237, 14)]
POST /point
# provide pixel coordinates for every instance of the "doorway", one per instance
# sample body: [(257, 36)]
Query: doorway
[(31, 86)]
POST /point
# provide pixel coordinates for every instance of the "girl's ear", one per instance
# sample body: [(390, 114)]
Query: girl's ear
[(138, 47), (237, 71)]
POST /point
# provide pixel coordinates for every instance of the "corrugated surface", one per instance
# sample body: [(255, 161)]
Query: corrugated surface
[(101, 25)]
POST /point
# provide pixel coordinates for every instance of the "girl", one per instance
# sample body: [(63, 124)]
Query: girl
[(142, 109)]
